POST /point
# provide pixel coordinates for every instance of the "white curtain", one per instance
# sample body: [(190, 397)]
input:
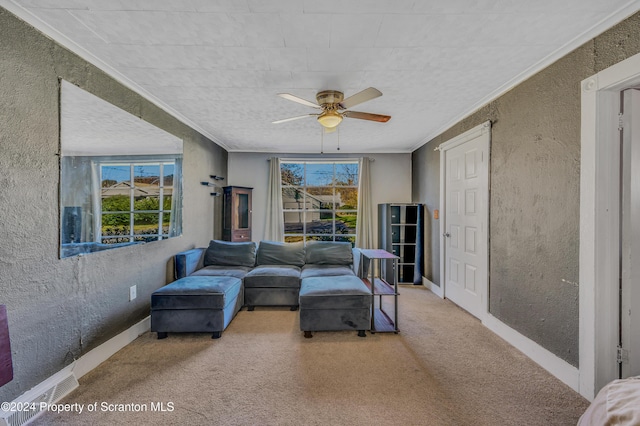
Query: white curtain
[(96, 200), (364, 225), (175, 226), (274, 227)]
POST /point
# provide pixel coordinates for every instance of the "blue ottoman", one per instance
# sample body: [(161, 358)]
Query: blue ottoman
[(196, 304), (334, 303)]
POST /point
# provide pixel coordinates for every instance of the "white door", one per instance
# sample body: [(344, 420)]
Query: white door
[(630, 233), (466, 221)]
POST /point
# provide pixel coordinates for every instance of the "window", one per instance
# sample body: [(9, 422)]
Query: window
[(136, 201), (320, 200)]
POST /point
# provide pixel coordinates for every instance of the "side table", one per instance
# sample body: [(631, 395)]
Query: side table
[(371, 260)]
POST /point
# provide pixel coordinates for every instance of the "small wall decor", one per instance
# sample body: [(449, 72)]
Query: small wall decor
[(212, 184)]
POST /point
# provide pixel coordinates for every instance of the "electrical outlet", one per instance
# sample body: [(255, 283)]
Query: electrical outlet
[(133, 290)]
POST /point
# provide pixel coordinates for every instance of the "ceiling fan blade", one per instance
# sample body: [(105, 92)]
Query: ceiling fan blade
[(298, 100), (367, 116), (294, 118), (360, 97)]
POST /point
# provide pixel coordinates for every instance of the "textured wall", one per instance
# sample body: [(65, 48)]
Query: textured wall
[(426, 189), (59, 309), (534, 200)]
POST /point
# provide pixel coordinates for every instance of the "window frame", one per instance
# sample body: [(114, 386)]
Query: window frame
[(161, 162), (306, 189)]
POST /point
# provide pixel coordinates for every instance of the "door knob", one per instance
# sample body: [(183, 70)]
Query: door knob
[(446, 234)]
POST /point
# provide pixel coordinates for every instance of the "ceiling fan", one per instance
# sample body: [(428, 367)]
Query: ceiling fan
[(334, 107)]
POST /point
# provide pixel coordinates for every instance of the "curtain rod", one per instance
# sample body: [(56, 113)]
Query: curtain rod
[(334, 160)]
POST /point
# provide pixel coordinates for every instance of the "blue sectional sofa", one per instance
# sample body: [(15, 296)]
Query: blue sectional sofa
[(215, 282)]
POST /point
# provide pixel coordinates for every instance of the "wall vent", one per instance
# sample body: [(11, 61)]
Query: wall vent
[(50, 391)]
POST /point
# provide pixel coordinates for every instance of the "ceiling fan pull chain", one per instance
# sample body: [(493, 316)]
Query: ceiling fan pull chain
[(321, 140), (338, 138)]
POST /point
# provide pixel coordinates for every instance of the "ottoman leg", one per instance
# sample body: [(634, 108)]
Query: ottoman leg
[(250, 308), (294, 308), (216, 335), (361, 333), (162, 335), (307, 335)]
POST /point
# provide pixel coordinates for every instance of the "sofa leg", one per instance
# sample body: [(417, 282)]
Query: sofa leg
[(307, 335), (361, 333), (294, 308), (162, 335), (216, 335), (250, 308)]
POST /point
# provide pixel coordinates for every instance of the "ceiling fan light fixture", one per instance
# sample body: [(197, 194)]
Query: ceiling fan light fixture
[(330, 119), (334, 107)]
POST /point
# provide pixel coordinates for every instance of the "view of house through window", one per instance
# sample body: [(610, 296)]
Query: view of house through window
[(135, 201), (320, 200)]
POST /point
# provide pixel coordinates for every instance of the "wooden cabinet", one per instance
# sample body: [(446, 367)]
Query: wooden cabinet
[(236, 225)]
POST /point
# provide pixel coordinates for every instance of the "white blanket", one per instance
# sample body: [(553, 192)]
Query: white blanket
[(618, 403)]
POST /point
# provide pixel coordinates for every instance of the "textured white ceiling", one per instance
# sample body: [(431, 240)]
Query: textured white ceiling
[(92, 126), (219, 64)]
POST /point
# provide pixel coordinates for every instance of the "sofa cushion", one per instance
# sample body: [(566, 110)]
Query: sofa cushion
[(311, 270), (341, 292), (277, 253), (328, 253), (222, 271), (197, 293), (226, 253), (273, 276)]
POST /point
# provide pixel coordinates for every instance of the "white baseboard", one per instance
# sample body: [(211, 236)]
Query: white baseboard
[(64, 381), (558, 367), (49, 391), (97, 356), (435, 289)]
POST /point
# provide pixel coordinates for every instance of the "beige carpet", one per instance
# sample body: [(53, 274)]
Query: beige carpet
[(444, 368)]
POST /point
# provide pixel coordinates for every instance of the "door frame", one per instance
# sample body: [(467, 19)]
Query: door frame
[(480, 131), (599, 223), (630, 234)]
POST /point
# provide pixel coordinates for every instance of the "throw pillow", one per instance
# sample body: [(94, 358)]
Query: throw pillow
[(277, 253), (225, 253), (329, 253)]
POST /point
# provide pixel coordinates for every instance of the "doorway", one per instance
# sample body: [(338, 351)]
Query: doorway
[(628, 357), (603, 213), (464, 180)]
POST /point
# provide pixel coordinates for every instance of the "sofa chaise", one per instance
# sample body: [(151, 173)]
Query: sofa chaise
[(214, 283)]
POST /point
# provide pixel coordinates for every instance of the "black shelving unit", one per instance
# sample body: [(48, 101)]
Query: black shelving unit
[(401, 232), (383, 319)]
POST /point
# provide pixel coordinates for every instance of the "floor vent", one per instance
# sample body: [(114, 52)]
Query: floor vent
[(48, 392)]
